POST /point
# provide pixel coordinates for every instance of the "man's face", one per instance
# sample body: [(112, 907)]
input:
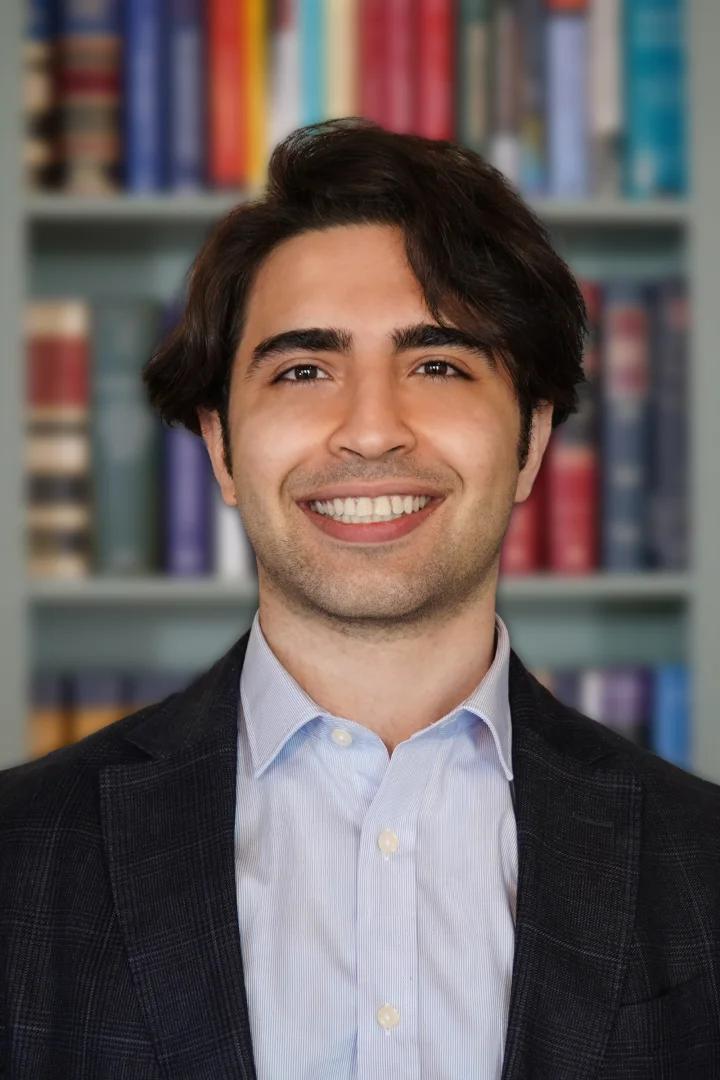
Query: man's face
[(367, 414)]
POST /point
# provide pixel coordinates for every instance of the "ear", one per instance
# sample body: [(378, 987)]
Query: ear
[(211, 430), (539, 438)]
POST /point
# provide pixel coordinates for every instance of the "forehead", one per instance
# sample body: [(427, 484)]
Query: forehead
[(349, 265)]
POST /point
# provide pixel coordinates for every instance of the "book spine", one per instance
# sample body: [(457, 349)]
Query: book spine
[(566, 686), (573, 464), (125, 438), (144, 114), (313, 73), (523, 550), (669, 435), (234, 557), (402, 31), (226, 108), (532, 109), (624, 427), (655, 161), (188, 488), (670, 720), (626, 694), (506, 77), (186, 80), (48, 725), (472, 51), (341, 54), (254, 76), (285, 71), (434, 72), (89, 88), (372, 67), (59, 520), (605, 107), (567, 105), (39, 150), (97, 698)]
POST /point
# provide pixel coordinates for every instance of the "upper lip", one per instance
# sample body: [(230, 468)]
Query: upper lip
[(372, 491)]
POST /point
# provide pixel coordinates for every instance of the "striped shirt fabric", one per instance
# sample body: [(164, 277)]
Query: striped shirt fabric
[(376, 892)]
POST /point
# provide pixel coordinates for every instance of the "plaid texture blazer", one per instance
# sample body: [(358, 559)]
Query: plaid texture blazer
[(119, 943)]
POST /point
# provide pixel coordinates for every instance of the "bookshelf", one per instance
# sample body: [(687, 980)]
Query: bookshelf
[(141, 246)]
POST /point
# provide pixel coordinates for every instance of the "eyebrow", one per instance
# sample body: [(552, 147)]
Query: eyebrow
[(333, 339)]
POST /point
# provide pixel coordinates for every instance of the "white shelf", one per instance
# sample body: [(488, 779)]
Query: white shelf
[(647, 587), (208, 206)]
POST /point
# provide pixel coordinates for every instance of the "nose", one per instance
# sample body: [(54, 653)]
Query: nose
[(374, 418)]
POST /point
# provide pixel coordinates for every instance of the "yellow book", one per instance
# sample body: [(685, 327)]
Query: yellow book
[(341, 51), (255, 73)]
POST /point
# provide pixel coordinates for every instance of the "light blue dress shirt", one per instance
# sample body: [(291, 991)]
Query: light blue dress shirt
[(376, 892)]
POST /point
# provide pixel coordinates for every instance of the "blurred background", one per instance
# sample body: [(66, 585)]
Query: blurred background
[(130, 126)]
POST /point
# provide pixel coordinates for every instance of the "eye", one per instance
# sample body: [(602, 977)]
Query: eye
[(298, 367), (443, 364)]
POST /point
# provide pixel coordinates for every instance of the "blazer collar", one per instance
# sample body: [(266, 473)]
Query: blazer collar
[(169, 830)]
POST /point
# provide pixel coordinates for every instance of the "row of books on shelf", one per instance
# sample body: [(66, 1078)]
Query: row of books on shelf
[(569, 98), (112, 490), (649, 705)]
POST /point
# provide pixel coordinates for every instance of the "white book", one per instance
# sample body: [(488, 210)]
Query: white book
[(341, 50), (234, 557), (605, 90), (285, 90)]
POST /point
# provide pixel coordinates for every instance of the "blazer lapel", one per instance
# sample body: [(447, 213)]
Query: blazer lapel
[(578, 826), (169, 826)]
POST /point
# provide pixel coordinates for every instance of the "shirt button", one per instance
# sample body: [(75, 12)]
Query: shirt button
[(388, 1017), (388, 842), (341, 736)]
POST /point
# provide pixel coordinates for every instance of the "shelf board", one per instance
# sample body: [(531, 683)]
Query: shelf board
[(211, 591), (205, 207)]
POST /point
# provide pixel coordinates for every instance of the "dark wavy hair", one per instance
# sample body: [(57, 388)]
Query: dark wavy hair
[(483, 259)]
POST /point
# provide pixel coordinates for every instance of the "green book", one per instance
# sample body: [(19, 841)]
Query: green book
[(125, 443), (473, 74)]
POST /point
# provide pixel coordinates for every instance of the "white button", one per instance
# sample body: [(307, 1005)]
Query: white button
[(388, 1017), (388, 842), (341, 736)]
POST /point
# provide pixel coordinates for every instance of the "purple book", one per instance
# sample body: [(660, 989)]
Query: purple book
[(187, 512)]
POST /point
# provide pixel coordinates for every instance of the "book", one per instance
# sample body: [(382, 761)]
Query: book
[(253, 76), (186, 104), (372, 73), (670, 720), (400, 58), (504, 147), (48, 726), (625, 401), (668, 520), (89, 46), (341, 57), (125, 438), (313, 69), (523, 549), (187, 486), (605, 97), (97, 698), (573, 464), (58, 510), (40, 144), (145, 71), (434, 116), (472, 74), (655, 106), (234, 557), (532, 108), (567, 99), (227, 101), (284, 106)]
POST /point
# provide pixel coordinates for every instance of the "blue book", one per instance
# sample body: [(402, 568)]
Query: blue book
[(567, 104), (624, 422), (186, 94), (669, 435), (145, 129), (533, 82), (670, 723), (311, 29), (655, 151), (79, 17), (188, 488)]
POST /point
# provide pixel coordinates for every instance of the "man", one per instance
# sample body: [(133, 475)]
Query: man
[(367, 842)]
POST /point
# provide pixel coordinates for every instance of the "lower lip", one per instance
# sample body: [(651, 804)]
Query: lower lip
[(375, 531)]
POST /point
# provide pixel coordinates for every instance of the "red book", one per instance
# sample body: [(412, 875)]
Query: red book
[(573, 516), (399, 111), (373, 67), (523, 548), (435, 66), (227, 95)]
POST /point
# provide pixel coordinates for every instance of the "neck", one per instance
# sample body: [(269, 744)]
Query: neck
[(393, 683)]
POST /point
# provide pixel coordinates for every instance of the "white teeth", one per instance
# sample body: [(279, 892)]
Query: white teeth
[(363, 510)]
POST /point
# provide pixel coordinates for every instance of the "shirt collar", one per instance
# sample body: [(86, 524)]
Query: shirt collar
[(275, 706)]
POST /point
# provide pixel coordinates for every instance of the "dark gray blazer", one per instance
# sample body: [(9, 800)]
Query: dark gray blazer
[(119, 943)]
